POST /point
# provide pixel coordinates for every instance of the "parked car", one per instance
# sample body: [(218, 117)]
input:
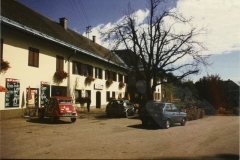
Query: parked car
[(119, 107), (59, 107), (161, 113)]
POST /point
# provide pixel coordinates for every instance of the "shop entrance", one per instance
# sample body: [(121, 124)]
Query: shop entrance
[(59, 91), (98, 99)]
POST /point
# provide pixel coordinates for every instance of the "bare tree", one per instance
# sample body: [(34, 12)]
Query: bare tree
[(160, 46)]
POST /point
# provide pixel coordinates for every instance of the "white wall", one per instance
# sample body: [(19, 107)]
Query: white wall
[(15, 51)]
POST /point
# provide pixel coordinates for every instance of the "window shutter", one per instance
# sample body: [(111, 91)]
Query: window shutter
[(78, 68), (96, 72), (35, 61), (82, 69), (111, 75), (74, 68), (33, 57), (1, 50), (100, 71), (91, 70), (61, 64), (106, 75), (30, 58)]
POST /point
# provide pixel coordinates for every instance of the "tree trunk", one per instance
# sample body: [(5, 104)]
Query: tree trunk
[(149, 92)]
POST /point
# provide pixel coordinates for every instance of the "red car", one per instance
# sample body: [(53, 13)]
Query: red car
[(59, 107)]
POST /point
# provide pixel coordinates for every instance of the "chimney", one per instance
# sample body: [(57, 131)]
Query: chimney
[(63, 22), (94, 39)]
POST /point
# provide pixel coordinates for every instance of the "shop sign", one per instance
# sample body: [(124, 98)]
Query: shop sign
[(12, 96), (45, 93), (32, 97), (98, 86)]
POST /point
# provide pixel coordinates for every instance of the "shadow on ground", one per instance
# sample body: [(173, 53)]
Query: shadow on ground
[(47, 121), (216, 157), (152, 126)]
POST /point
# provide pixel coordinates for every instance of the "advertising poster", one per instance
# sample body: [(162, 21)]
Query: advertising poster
[(32, 97), (45, 93), (12, 96)]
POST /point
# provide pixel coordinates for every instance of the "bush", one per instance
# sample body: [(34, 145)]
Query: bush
[(194, 113), (59, 76)]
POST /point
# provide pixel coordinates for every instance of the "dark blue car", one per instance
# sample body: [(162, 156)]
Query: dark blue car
[(162, 113)]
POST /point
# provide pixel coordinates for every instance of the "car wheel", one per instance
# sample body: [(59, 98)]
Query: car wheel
[(40, 115), (127, 114), (167, 124), (108, 115), (52, 119), (133, 112), (183, 122), (144, 123), (73, 120)]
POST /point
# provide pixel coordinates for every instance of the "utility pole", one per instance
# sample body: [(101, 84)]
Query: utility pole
[(87, 32)]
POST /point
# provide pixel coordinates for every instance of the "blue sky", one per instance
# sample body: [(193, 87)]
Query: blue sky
[(221, 17)]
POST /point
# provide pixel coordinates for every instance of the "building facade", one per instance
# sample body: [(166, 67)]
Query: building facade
[(47, 59)]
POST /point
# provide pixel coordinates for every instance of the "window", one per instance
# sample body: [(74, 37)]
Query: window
[(120, 78), (114, 76), (108, 96), (156, 96), (33, 57), (107, 75), (98, 73), (168, 108), (174, 108), (88, 93), (78, 95), (1, 49), (119, 95), (126, 95), (110, 75), (126, 79), (59, 63), (76, 68), (86, 70), (113, 94)]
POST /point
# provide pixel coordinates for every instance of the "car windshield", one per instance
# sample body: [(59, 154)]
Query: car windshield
[(64, 101), (154, 106), (119, 101)]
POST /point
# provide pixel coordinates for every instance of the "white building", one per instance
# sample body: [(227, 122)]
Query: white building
[(37, 47)]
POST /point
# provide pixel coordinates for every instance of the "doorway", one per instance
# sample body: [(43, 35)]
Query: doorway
[(98, 99)]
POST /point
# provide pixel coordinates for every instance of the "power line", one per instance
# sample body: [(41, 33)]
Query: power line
[(80, 15), (84, 12), (83, 16)]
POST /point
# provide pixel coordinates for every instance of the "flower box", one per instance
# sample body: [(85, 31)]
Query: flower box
[(121, 85), (109, 82), (59, 76), (4, 66), (89, 80)]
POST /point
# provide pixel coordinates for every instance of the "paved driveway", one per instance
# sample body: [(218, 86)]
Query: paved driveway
[(94, 136)]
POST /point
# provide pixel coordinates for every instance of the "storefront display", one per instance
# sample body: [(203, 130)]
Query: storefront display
[(12, 96), (45, 93)]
